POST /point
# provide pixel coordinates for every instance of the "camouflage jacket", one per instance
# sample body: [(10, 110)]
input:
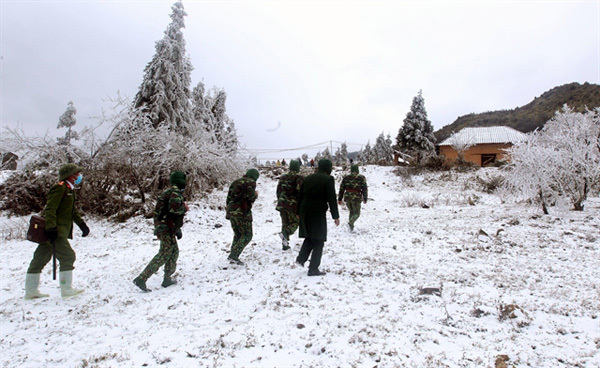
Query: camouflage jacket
[(241, 196), (169, 211), (355, 187), (288, 189)]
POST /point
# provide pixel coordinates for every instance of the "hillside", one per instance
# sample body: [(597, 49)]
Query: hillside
[(533, 115), (452, 285)]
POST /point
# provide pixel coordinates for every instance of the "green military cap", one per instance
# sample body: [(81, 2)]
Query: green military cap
[(67, 170)]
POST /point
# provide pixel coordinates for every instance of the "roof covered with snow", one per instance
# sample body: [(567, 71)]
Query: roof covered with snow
[(483, 135)]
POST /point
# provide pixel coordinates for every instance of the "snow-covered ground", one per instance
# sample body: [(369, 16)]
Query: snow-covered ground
[(515, 287)]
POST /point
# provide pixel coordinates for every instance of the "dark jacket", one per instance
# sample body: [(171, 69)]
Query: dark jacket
[(316, 193), (60, 210)]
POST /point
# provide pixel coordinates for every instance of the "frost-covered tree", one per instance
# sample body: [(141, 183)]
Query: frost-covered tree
[(67, 120), (560, 162), (164, 95), (416, 135), (305, 159), (209, 111), (382, 153), (327, 155), (341, 155), (461, 143), (366, 155)]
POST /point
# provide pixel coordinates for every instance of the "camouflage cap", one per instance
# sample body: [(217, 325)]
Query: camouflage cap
[(67, 170)]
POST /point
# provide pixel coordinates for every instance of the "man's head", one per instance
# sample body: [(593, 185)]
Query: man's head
[(325, 165), (295, 166), (68, 170), (178, 178), (354, 169), (252, 174)]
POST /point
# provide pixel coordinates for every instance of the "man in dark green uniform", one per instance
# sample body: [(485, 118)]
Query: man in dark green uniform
[(355, 188), (242, 194), (288, 188), (60, 213), (316, 193), (168, 220)]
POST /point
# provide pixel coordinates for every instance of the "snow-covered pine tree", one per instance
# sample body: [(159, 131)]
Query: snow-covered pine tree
[(343, 155), (416, 135), (318, 157), (366, 154), (305, 159), (67, 120), (164, 95), (327, 154), (209, 112), (382, 151)]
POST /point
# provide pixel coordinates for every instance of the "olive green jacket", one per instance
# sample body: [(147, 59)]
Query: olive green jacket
[(60, 211)]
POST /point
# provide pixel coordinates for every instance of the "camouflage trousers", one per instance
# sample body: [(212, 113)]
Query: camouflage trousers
[(167, 256), (289, 223), (354, 208), (242, 234)]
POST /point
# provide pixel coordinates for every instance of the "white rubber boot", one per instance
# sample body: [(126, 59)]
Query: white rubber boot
[(66, 290), (32, 282)]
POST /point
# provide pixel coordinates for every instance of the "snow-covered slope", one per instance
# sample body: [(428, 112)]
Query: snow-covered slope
[(411, 287)]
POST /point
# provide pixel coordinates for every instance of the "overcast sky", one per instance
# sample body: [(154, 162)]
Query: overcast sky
[(299, 72)]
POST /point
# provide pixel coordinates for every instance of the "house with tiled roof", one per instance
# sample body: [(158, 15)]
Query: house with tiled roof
[(481, 145)]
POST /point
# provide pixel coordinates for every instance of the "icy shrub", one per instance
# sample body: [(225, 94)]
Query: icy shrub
[(491, 184)]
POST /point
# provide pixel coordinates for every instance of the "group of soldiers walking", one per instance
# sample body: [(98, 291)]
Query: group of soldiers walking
[(302, 203)]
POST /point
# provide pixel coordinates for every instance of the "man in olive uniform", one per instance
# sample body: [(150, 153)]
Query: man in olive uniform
[(168, 220), (316, 193), (60, 213), (241, 196), (288, 188), (355, 188)]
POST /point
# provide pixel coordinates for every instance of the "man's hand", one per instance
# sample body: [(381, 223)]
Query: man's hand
[(339, 203), (337, 222), (51, 234), (178, 233), (85, 230)]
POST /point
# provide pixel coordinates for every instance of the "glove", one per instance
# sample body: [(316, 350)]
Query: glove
[(51, 234), (84, 229), (178, 233)]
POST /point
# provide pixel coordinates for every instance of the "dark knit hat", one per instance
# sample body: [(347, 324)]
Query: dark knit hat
[(354, 168), (253, 174), (325, 165), (67, 170), (178, 178), (294, 165)]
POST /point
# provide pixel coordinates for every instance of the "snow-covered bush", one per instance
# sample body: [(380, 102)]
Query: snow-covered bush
[(560, 161)]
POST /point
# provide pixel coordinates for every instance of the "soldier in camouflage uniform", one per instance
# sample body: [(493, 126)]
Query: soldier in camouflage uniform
[(168, 220), (241, 196), (355, 188), (287, 202)]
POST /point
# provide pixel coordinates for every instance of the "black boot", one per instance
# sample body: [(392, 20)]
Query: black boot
[(168, 281), (316, 273), (235, 261), (141, 284)]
